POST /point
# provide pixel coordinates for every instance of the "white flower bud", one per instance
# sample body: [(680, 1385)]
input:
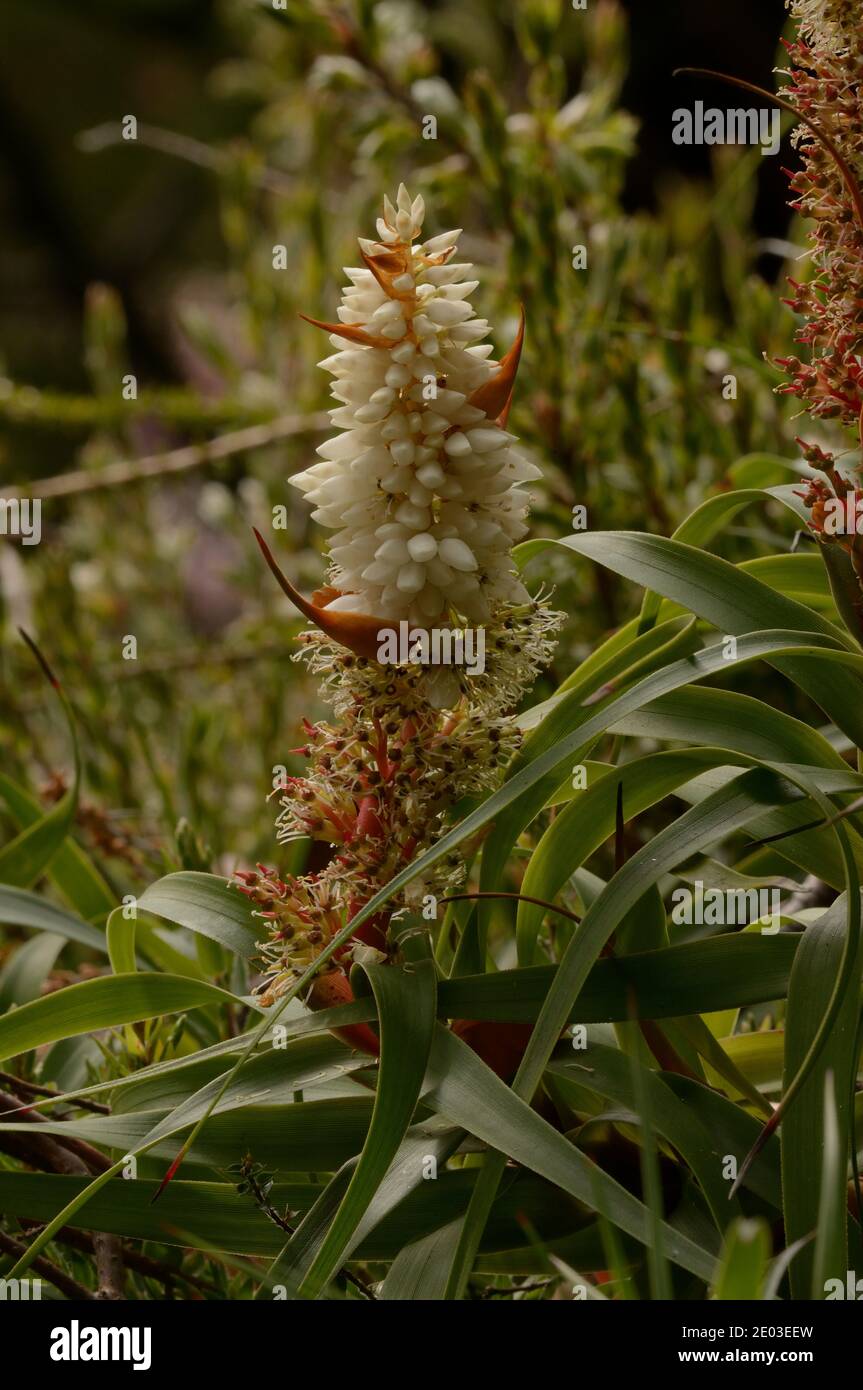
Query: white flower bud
[(457, 445), (454, 552), (422, 547), (484, 441), (448, 312), (411, 578)]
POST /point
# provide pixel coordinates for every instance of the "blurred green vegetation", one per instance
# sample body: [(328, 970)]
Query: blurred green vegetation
[(261, 128)]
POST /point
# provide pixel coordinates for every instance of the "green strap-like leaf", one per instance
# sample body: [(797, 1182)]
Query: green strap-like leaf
[(203, 903), (588, 820), (20, 908), (733, 1131), (743, 1263), (71, 871), (561, 742), (23, 975), (27, 857), (719, 815), (103, 1003), (831, 1243), (701, 976), (405, 998), (734, 603), (209, 1215), (314, 1136), (805, 1168), (609, 1073), (120, 935), (464, 1089), (419, 1271), (696, 977)]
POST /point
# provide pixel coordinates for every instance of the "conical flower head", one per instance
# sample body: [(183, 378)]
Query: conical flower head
[(422, 485)]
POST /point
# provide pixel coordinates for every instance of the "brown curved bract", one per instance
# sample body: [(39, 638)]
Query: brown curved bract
[(386, 266), (354, 332), (357, 631), (495, 395)]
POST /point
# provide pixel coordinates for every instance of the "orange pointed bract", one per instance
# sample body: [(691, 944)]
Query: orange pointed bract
[(357, 631), (386, 267), (495, 395), (352, 331)]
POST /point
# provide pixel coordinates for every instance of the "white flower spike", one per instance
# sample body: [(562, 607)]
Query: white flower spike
[(422, 485), (421, 488)]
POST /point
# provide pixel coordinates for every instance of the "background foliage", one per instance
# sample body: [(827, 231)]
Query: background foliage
[(260, 129)]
